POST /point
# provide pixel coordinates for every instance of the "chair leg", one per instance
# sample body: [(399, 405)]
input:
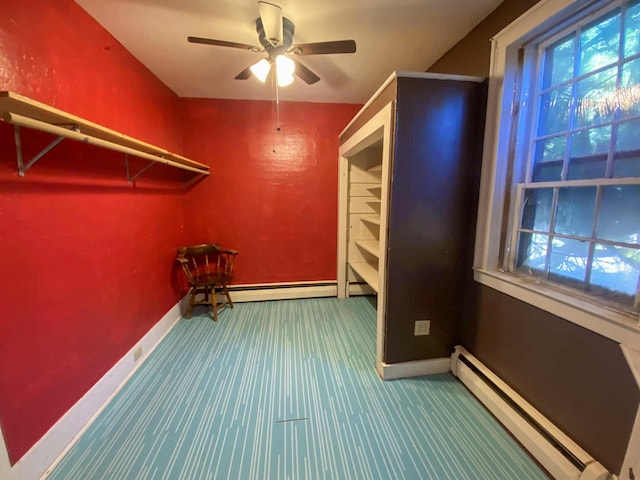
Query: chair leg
[(214, 304), (192, 298), (226, 292)]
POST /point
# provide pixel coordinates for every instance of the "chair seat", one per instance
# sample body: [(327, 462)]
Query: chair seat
[(209, 279)]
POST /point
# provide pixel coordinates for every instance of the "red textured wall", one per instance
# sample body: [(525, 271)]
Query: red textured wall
[(54, 52), (85, 260), (274, 194)]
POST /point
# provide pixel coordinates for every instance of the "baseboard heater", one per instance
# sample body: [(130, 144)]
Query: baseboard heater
[(554, 450), (282, 291)]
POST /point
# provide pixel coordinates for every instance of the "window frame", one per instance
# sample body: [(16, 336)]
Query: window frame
[(496, 215)]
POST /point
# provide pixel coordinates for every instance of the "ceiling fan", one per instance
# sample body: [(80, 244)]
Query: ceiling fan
[(275, 34)]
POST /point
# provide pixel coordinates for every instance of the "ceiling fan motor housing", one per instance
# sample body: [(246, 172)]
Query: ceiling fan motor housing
[(287, 37)]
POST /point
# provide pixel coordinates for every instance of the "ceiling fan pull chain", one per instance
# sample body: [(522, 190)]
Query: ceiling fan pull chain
[(275, 83)]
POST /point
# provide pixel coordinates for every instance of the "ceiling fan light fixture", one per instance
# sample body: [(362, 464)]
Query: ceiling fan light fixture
[(284, 70), (285, 80), (261, 69), (275, 35), (285, 65)]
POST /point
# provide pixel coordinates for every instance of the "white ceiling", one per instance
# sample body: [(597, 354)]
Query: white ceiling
[(390, 35)]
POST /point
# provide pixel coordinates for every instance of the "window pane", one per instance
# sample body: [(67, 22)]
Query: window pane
[(548, 159), (629, 95), (558, 62), (536, 211), (627, 159), (616, 268), (619, 217), (587, 167), (554, 111), (532, 254), (592, 110), (632, 31), (594, 141), (626, 166), (599, 43), (569, 258), (589, 150), (628, 136), (576, 208)]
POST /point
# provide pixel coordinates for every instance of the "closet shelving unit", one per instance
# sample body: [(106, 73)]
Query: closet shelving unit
[(407, 166), (364, 215), (25, 112)]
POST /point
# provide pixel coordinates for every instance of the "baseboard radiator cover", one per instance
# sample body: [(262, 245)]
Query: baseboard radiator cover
[(282, 291), (554, 450), (261, 292)]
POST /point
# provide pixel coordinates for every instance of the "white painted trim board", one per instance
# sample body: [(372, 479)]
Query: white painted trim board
[(5, 467), (379, 126), (418, 368)]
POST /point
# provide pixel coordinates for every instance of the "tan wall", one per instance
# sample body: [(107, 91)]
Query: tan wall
[(471, 55)]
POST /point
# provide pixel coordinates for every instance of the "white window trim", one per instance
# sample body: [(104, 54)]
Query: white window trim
[(491, 212)]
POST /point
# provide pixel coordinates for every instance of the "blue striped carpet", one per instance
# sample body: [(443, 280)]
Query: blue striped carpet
[(288, 390)]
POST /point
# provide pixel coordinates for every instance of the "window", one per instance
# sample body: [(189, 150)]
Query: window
[(560, 203), (576, 223)]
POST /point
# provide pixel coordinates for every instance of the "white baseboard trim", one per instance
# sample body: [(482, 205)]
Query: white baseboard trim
[(5, 466), (46, 453), (418, 368), (280, 291)]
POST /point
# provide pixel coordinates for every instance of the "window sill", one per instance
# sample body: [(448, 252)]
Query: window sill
[(611, 324)]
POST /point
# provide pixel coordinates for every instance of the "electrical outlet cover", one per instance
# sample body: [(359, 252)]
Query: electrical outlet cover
[(137, 353), (422, 327)]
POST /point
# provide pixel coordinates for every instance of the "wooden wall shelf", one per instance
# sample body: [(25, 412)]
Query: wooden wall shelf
[(24, 112)]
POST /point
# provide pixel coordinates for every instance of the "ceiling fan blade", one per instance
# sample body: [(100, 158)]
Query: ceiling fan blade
[(322, 48), (304, 73), (244, 74), (271, 16), (222, 43)]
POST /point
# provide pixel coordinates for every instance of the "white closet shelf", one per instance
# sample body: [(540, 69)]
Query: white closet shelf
[(25, 112), (372, 219), (375, 168), (370, 246), (368, 272)]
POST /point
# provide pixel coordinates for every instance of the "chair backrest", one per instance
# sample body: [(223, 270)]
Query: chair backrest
[(208, 258)]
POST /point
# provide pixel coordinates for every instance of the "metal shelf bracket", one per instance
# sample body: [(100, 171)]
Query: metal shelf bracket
[(22, 167), (131, 179)]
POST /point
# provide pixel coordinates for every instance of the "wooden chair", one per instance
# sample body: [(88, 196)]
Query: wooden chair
[(208, 269)]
